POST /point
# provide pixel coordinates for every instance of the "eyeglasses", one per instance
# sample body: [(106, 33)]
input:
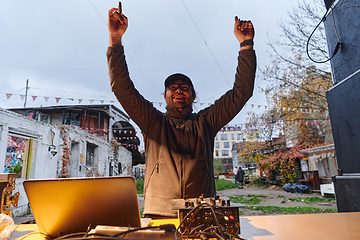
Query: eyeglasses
[(184, 88)]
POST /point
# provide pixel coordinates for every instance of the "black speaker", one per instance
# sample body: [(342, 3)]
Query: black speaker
[(328, 3), (347, 193), (344, 22), (344, 108)]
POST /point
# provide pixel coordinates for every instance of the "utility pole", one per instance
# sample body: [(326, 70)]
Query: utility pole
[(26, 90)]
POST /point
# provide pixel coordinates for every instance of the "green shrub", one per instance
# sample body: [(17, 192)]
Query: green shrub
[(140, 186)]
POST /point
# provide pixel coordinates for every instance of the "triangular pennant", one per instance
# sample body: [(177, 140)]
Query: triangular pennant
[(46, 99), (160, 104), (80, 100), (71, 99), (34, 97), (91, 101), (101, 101), (259, 106), (112, 101), (252, 105), (8, 95), (22, 97), (57, 99)]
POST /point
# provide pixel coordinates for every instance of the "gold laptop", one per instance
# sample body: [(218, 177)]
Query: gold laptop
[(71, 205)]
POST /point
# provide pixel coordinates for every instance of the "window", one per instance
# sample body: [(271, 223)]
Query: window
[(217, 153), (120, 168), (216, 144), (232, 136), (216, 138), (90, 155), (240, 136), (45, 118), (224, 137), (226, 145), (225, 152), (72, 119)]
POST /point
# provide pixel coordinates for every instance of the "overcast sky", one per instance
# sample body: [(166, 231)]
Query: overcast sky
[(60, 47)]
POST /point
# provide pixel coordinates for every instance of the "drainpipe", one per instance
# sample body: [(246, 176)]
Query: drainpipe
[(99, 120), (84, 119), (63, 117)]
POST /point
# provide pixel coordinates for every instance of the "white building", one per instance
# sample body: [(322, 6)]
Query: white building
[(49, 147)]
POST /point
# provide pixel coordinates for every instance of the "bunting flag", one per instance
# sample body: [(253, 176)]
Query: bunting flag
[(46, 98), (303, 108)]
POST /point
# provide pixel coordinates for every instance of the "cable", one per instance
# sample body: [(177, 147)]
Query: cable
[(337, 47), (217, 225)]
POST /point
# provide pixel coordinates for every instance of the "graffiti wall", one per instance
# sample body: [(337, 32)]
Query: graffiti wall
[(14, 154)]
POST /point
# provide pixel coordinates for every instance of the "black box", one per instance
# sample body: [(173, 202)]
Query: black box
[(347, 192)]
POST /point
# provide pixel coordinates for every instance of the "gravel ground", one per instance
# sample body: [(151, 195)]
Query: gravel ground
[(276, 196)]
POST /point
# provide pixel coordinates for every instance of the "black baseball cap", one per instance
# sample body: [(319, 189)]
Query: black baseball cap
[(177, 76)]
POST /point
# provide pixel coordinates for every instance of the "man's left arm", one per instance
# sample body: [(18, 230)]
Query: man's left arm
[(229, 105)]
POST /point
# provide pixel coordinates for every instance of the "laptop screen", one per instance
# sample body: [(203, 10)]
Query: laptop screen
[(70, 205)]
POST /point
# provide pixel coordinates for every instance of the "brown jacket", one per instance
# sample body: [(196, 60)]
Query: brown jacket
[(179, 146)]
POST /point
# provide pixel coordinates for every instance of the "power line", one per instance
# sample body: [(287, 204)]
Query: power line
[(205, 43)]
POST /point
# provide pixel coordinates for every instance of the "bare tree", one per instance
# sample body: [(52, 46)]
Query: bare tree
[(296, 93)]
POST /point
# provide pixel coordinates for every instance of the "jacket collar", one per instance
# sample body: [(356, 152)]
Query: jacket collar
[(174, 112)]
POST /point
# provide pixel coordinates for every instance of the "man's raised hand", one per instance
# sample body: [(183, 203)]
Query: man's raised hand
[(243, 30), (117, 25)]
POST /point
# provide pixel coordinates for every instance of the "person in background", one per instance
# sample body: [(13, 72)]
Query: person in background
[(235, 174), (240, 177), (179, 143)]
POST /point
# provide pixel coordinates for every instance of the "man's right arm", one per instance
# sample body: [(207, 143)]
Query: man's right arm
[(139, 109)]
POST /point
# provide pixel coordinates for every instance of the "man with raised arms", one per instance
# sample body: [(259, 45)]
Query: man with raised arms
[(179, 143)]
